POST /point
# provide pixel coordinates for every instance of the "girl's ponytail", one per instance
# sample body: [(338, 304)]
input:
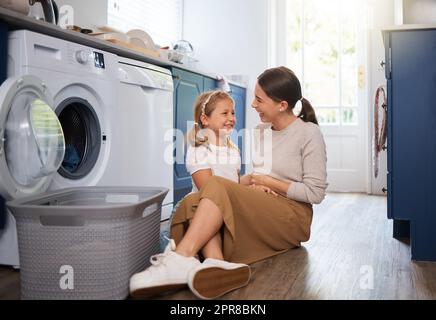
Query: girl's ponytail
[(194, 138), (307, 113)]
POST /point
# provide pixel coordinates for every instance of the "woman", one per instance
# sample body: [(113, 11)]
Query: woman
[(233, 224)]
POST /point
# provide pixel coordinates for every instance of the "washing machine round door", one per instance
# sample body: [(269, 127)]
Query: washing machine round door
[(32, 144)]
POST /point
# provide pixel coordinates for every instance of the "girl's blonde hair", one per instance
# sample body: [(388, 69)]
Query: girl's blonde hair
[(206, 104)]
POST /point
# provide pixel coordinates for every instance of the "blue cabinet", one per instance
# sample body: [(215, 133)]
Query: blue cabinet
[(411, 84), (187, 86), (209, 84)]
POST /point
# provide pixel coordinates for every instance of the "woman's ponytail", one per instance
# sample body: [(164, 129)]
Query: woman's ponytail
[(307, 113)]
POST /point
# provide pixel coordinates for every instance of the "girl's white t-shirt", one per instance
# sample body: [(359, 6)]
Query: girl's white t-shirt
[(222, 160)]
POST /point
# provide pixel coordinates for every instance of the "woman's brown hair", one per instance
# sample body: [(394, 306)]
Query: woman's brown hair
[(281, 84)]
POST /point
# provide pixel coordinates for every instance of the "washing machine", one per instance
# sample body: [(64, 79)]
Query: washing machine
[(145, 128), (79, 86)]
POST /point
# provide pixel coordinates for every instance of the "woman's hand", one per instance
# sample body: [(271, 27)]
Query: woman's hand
[(245, 180), (276, 185), (262, 188), (260, 179)]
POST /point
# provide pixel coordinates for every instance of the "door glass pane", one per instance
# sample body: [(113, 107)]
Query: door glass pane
[(322, 50), (321, 29), (328, 116), (49, 137), (293, 35), (349, 17), (349, 116), (34, 142)]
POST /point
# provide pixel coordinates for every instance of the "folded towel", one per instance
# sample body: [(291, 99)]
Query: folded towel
[(223, 83)]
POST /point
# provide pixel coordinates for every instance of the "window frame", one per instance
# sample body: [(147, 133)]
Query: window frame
[(152, 29)]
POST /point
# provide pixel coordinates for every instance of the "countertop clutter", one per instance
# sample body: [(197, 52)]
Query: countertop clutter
[(136, 40), (17, 21)]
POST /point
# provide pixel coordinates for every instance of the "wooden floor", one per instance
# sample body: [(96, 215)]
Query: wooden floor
[(351, 255)]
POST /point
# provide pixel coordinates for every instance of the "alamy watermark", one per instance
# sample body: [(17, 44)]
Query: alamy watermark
[(257, 147), (66, 281), (366, 280)]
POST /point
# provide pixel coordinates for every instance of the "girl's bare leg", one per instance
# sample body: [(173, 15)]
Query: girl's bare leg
[(203, 228)]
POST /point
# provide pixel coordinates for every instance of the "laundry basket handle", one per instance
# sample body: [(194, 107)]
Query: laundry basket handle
[(151, 205)]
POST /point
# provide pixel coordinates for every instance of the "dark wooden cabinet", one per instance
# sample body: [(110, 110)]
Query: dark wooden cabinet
[(411, 83)]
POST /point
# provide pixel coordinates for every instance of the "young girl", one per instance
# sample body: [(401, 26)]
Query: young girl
[(210, 151)]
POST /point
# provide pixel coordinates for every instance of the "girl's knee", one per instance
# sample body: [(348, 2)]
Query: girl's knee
[(216, 181), (189, 200)]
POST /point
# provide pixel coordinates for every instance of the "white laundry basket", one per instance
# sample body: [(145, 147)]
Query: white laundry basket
[(86, 243)]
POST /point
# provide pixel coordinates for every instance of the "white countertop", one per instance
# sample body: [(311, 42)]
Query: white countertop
[(19, 21), (410, 27)]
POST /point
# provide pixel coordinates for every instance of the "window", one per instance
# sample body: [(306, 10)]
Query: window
[(162, 19), (321, 48)]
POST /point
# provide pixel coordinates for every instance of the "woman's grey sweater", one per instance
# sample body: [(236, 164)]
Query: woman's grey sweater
[(297, 155)]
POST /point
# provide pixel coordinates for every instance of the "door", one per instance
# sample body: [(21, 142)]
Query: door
[(412, 123), (209, 84), (323, 43), (32, 144), (32, 148)]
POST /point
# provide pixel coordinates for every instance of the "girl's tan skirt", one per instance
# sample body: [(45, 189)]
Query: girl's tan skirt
[(256, 225)]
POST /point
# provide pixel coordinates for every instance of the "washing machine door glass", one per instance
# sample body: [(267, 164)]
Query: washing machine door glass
[(32, 144)]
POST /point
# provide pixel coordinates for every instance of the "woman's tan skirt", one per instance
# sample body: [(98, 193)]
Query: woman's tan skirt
[(256, 226)]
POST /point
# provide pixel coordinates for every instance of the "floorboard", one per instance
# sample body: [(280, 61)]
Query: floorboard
[(351, 255)]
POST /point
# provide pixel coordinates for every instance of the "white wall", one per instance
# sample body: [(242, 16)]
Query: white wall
[(87, 14), (381, 15), (229, 37), (419, 11)]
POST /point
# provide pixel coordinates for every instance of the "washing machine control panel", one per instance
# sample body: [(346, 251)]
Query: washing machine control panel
[(99, 60), (85, 57), (82, 56)]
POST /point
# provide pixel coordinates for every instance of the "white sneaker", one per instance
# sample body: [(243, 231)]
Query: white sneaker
[(168, 271), (214, 278)]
